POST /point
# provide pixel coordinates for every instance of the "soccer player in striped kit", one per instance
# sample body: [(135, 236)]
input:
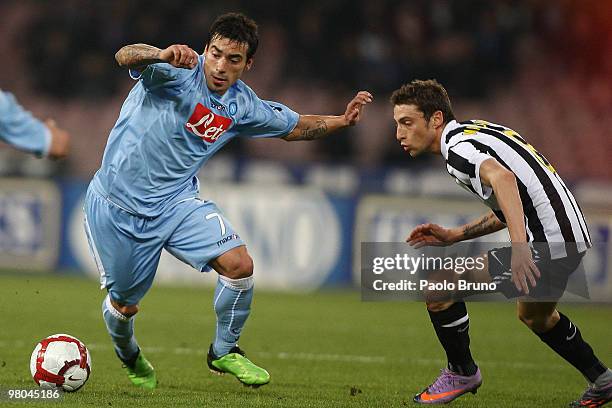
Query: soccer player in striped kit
[(526, 196)]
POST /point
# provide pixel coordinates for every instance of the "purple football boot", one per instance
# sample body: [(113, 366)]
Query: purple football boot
[(448, 386), (594, 397)]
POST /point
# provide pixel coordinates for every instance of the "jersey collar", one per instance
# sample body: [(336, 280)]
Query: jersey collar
[(453, 124)]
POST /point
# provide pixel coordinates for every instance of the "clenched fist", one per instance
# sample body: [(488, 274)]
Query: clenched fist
[(180, 56)]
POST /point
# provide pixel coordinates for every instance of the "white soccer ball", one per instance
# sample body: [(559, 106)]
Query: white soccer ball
[(60, 361)]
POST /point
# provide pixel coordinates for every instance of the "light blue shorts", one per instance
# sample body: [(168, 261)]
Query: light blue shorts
[(127, 248)]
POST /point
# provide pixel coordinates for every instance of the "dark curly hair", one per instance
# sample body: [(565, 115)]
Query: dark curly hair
[(236, 27), (429, 96)]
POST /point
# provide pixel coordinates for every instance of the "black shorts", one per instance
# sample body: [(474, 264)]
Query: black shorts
[(549, 287)]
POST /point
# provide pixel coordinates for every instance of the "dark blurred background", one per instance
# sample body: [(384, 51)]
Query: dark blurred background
[(543, 68)]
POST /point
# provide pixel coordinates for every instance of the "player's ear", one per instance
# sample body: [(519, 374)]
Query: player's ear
[(437, 119), (249, 63)]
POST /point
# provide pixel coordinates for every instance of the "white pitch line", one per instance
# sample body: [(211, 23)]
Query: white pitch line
[(349, 358), (322, 357), (305, 356)]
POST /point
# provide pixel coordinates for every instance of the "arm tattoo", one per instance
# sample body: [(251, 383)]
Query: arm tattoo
[(137, 55), (317, 132), (487, 224)]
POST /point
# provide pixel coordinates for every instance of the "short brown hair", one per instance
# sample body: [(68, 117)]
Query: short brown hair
[(429, 96), (236, 27)]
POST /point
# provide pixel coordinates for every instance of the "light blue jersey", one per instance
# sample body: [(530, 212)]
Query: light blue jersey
[(20, 129), (169, 126)]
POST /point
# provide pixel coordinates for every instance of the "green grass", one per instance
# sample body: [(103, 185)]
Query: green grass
[(323, 349)]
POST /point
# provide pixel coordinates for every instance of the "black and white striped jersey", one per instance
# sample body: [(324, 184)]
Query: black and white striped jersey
[(552, 214)]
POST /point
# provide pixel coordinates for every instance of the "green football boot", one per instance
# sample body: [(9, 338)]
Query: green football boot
[(142, 373), (236, 364)]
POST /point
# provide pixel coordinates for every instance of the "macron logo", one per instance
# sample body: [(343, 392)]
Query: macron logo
[(207, 125)]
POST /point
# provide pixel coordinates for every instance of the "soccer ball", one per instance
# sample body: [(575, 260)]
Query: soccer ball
[(60, 361)]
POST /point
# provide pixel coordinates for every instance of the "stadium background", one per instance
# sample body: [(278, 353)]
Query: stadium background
[(543, 68)]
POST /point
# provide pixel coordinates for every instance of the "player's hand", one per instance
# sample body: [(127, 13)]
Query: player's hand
[(60, 141), (524, 270), (352, 115), (180, 56), (430, 235)]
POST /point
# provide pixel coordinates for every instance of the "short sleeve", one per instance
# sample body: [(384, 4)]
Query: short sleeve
[(464, 162), (267, 119), (162, 75), (20, 128)]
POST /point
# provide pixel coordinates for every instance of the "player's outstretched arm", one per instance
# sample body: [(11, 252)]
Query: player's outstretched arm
[(312, 127), (435, 235), (137, 56)]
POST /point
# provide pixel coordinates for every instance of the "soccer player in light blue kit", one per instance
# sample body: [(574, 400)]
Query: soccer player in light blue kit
[(23, 131), (144, 198)]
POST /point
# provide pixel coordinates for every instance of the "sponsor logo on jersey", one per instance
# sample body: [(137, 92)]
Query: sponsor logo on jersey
[(206, 124), (217, 105), (227, 239)]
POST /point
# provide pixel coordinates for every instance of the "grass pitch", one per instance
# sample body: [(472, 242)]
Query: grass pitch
[(325, 349)]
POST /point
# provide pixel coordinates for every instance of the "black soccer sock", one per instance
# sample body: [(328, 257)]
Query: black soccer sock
[(452, 326), (565, 339)]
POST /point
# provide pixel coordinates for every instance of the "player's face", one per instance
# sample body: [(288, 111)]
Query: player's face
[(225, 62), (414, 133)]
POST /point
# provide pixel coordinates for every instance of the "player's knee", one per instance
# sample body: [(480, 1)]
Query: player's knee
[(437, 300), (534, 322), (434, 306), (126, 310), (241, 267), (537, 321)]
